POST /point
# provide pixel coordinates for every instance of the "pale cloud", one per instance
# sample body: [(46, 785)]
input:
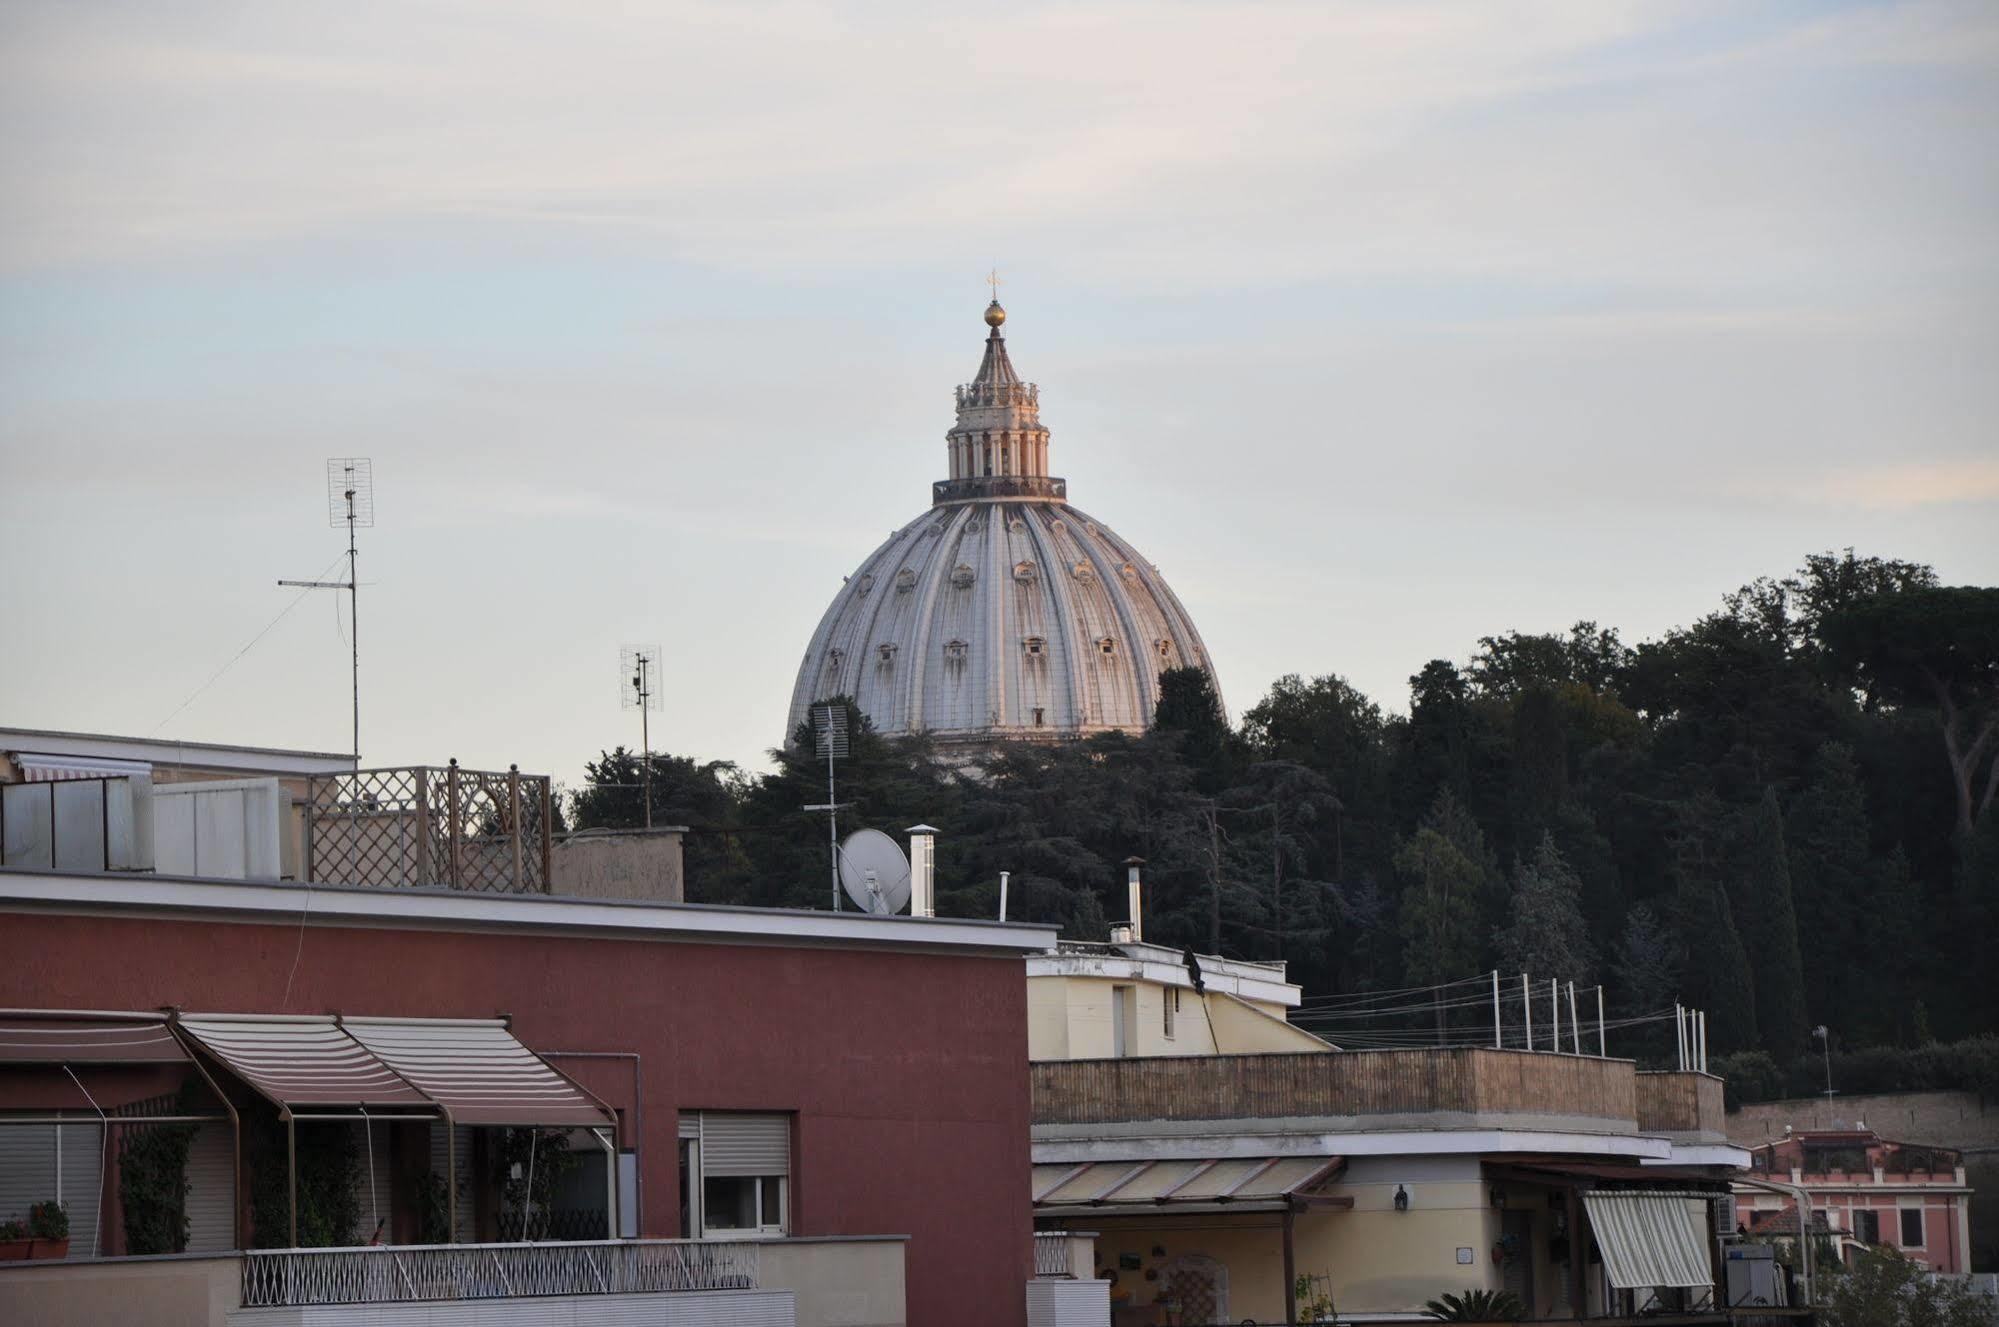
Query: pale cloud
[(1899, 485)]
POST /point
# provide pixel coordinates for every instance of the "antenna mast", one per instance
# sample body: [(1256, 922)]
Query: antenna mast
[(350, 500), (829, 737), (638, 678)]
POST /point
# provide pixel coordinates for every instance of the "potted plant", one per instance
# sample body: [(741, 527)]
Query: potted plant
[(14, 1242), (1488, 1306), (48, 1223)]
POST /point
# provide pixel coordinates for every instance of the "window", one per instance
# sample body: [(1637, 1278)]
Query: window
[(740, 1166), (1912, 1227), (1866, 1226), (1107, 647), (1171, 1007), (1034, 646), (1037, 716)]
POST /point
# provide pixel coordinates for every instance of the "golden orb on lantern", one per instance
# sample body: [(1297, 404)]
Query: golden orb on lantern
[(995, 315)]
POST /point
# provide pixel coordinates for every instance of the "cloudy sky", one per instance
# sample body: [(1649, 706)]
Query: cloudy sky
[(1379, 327)]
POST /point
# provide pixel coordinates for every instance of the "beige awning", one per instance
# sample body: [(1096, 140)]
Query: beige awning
[(1260, 1182), (1650, 1239), (302, 1062)]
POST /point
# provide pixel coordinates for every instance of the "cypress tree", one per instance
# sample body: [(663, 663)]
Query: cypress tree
[(1716, 976), (1770, 921), (1826, 834)]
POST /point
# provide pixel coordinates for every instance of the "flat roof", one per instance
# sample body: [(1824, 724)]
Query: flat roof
[(168, 897), (99, 744)]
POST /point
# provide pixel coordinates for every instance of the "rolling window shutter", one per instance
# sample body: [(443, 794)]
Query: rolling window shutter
[(745, 1144)]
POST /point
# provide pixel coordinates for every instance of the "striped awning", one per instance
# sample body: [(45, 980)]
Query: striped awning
[(1650, 1239), (472, 1070), (37, 1037), (1231, 1181), (477, 1070)]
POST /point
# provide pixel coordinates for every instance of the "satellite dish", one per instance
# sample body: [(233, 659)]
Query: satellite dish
[(874, 872)]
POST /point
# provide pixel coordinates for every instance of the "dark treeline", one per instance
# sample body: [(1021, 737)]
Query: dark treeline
[(1783, 814)]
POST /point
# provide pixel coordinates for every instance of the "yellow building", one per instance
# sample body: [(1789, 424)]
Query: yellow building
[(1236, 1168)]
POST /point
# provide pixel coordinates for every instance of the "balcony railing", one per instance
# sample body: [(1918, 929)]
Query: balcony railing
[(1460, 1082), (388, 1274), (1051, 1253)]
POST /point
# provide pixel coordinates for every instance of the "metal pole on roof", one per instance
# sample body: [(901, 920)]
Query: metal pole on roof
[(1555, 1013), (1575, 1032), (1003, 876), (1497, 1044), (1601, 1052), (1527, 1008), (1680, 1036)]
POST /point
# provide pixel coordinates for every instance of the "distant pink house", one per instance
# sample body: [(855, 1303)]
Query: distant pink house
[(1867, 1190)]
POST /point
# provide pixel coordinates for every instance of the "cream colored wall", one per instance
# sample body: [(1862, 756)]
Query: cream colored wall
[(161, 1292), (1385, 1261), (839, 1283), (1243, 1028), (1069, 1018), (1250, 1246)]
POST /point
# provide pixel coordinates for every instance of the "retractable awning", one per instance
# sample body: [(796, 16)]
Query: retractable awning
[(302, 1062), (473, 1071), (478, 1071), (1239, 1183), (1650, 1239), (41, 1037)]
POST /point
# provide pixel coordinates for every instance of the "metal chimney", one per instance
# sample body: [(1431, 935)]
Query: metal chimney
[(922, 870), (1131, 883)]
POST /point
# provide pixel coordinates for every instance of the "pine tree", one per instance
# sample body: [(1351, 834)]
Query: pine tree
[(1547, 935), (1771, 924), (1647, 977), (1439, 909), (1716, 977)]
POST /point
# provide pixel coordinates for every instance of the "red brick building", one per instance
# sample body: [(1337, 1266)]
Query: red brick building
[(892, 1049)]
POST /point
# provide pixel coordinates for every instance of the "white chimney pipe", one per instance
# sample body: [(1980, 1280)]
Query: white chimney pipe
[(1131, 865), (922, 870), (1003, 876)]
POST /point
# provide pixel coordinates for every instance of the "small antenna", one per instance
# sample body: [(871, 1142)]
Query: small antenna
[(638, 689), (829, 739), (350, 501)]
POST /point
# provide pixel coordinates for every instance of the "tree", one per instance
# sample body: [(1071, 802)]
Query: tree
[(1940, 647), (1439, 909), (1771, 922), (1189, 707), (1547, 935), (1716, 974), (1647, 973), (1882, 1288), (704, 796)]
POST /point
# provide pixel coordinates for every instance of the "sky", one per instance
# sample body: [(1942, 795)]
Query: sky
[(1379, 327)]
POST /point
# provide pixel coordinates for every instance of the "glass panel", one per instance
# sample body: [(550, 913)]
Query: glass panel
[(773, 1200), (730, 1203)]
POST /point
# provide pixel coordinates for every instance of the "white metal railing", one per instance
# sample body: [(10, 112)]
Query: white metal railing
[(1051, 1254), (391, 1273)]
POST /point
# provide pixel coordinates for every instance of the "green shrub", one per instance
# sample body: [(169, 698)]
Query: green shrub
[(152, 1187), (1477, 1306), (49, 1220)]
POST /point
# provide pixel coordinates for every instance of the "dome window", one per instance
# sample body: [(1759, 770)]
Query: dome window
[(905, 581), (1017, 526), (955, 650), (1034, 646), (1128, 571), (834, 658), (887, 652), (1037, 716), (1107, 647), (961, 575), (1165, 649), (867, 583), (1023, 571), (1083, 571)]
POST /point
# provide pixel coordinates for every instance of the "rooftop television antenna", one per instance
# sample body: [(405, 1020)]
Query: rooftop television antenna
[(638, 689), (350, 501), (829, 739), (874, 872)]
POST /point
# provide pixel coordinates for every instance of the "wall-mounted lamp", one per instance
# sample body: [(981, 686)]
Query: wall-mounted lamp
[(1499, 1197), (1401, 1199)]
